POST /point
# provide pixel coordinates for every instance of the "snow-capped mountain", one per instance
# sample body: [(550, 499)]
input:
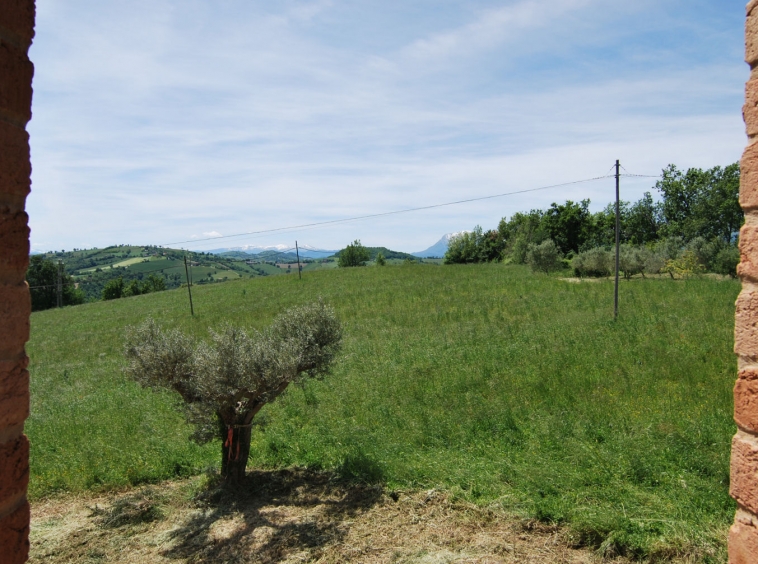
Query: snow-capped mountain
[(306, 251), (439, 249)]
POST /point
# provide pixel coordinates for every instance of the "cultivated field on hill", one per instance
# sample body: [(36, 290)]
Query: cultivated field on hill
[(498, 386)]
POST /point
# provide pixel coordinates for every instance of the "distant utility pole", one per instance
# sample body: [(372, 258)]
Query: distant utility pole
[(189, 284), (300, 276), (618, 223), (59, 286)]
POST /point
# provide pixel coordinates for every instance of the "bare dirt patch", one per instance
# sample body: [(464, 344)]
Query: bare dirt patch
[(287, 516)]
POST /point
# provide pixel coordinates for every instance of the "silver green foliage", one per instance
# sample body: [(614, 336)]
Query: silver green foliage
[(227, 380), (544, 257)]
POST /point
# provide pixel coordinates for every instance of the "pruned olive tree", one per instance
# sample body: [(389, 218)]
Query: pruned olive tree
[(225, 383)]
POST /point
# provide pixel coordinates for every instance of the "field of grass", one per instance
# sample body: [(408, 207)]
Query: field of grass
[(500, 386)]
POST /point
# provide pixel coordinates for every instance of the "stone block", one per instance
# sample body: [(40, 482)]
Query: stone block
[(14, 241), (751, 34), (746, 325), (15, 165), (746, 400), (750, 108), (14, 392), (744, 472), (15, 309), (743, 544), (14, 468), (747, 269), (16, 72), (749, 178), (17, 18), (14, 536)]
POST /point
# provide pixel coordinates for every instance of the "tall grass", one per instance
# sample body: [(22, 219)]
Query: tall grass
[(505, 387)]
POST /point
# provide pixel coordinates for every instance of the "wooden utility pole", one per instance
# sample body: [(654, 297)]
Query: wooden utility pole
[(59, 286), (300, 276), (618, 223), (189, 289)]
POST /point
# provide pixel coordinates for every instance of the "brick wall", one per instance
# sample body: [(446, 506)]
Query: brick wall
[(16, 32), (743, 536)]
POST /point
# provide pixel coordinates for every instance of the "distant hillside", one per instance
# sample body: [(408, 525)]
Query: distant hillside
[(388, 253), (245, 251), (91, 269)]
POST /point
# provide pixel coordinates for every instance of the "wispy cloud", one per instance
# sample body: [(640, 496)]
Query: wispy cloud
[(254, 115)]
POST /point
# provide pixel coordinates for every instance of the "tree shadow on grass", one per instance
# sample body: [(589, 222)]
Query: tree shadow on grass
[(272, 515)]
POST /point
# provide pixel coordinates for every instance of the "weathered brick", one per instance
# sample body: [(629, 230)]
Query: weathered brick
[(16, 84), (14, 468), (746, 401), (14, 536), (747, 269), (14, 240), (15, 165), (14, 392), (751, 34), (17, 17), (750, 108), (746, 324), (743, 543), (15, 309), (749, 178), (744, 473)]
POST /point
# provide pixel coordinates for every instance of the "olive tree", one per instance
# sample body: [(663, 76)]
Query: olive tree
[(224, 383), (544, 257)]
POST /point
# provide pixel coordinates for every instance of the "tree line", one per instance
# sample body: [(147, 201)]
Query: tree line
[(698, 213)]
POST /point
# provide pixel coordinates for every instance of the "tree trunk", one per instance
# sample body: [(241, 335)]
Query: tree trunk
[(235, 450)]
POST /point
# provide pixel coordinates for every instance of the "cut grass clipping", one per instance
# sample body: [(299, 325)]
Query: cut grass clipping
[(502, 387)]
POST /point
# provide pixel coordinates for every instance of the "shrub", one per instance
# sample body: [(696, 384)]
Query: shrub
[(704, 250), (595, 262), (669, 248), (544, 257), (519, 250), (684, 266), (632, 260), (726, 260), (654, 263), (380, 260), (114, 289), (354, 254)]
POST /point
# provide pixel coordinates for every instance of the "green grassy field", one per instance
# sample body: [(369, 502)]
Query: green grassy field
[(504, 387)]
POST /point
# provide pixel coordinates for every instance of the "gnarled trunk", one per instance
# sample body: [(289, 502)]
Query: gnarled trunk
[(235, 450)]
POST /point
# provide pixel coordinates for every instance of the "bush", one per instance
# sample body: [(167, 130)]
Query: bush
[(726, 260), (684, 266), (519, 250), (669, 248), (380, 260), (354, 254), (632, 260), (704, 250), (114, 289), (461, 248), (544, 257), (595, 263), (654, 263)]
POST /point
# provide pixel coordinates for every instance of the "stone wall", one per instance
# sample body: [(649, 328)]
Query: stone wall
[(743, 536), (16, 32)]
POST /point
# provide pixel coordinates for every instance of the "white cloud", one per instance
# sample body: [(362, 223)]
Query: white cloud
[(248, 118)]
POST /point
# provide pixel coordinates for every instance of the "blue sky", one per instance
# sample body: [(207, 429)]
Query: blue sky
[(172, 120)]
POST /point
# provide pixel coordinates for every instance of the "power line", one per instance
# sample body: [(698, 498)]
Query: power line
[(383, 214), (641, 175)]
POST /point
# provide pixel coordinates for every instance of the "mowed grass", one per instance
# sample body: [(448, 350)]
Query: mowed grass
[(503, 387)]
